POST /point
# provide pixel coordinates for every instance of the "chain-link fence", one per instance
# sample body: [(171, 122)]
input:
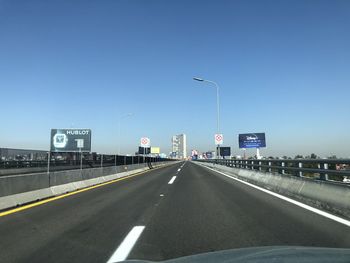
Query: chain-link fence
[(27, 161)]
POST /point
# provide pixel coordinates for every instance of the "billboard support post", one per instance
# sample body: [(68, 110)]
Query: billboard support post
[(300, 172), (48, 161), (81, 159)]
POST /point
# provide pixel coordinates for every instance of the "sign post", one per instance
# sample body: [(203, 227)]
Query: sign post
[(80, 145), (145, 143), (219, 140)]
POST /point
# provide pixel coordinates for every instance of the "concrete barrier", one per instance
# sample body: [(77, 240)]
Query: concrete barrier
[(21, 189), (26, 197), (15, 184), (327, 196)]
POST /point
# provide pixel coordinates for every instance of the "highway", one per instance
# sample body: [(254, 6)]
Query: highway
[(180, 210)]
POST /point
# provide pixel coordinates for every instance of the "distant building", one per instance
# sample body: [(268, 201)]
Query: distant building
[(9, 154), (179, 148)]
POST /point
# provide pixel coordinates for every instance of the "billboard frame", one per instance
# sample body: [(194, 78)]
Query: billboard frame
[(77, 138), (252, 140)]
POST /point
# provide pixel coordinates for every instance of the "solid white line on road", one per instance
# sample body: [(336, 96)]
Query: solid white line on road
[(307, 207), (172, 180), (126, 246), (179, 169)]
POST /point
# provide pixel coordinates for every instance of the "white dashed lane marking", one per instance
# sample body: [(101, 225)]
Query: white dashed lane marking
[(172, 180), (126, 246)]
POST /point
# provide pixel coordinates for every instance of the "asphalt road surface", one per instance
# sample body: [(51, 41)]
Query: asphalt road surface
[(174, 211)]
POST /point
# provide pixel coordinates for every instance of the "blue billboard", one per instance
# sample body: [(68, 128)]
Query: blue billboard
[(252, 140)]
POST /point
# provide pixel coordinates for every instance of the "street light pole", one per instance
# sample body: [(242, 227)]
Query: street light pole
[(217, 105)]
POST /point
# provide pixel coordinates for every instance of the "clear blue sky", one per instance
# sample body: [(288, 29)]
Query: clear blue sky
[(283, 68)]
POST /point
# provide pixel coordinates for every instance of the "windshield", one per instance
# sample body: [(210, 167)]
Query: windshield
[(155, 130)]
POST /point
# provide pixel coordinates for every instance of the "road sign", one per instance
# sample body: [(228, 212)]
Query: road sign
[(144, 150), (225, 151), (219, 139), (145, 142)]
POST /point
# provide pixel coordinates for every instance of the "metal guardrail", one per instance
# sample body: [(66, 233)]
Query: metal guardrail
[(320, 169)]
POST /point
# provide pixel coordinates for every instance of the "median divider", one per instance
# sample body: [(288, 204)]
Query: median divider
[(328, 196), (17, 190)]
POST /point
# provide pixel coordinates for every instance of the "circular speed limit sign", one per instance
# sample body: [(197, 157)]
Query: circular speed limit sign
[(145, 142), (219, 139)]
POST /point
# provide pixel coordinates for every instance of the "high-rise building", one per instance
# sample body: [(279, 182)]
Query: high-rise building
[(179, 149)]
